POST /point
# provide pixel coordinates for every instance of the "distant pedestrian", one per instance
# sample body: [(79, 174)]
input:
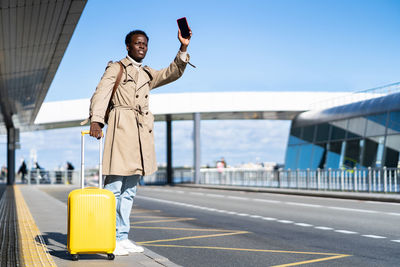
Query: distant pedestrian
[(23, 171), (70, 170), (129, 151)]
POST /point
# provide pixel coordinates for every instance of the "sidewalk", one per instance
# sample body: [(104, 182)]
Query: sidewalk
[(50, 216), (382, 197)]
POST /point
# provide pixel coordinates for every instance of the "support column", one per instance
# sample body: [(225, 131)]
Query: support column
[(169, 150), (11, 141), (196, 147)]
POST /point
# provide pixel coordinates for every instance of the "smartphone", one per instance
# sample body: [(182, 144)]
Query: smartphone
[(184, 27)]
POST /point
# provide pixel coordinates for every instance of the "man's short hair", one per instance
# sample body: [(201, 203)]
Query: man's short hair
[(128, 37)]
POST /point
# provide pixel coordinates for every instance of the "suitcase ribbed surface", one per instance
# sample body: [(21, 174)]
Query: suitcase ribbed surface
[(91, 221)]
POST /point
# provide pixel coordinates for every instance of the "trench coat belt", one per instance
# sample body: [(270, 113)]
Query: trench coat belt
[(139, 114)]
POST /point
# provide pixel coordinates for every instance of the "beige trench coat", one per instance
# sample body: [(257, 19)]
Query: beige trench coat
[(129, 143)]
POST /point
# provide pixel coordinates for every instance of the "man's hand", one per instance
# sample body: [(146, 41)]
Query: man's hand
[(95, 130), (184, 41)]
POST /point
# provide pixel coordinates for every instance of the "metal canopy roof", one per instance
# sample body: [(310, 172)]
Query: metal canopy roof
[(34, 35)]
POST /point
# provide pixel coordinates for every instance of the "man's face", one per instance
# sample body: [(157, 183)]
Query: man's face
[(137, 48)]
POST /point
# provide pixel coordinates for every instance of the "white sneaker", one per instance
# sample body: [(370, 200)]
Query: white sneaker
[(130, 246), (120, 250)]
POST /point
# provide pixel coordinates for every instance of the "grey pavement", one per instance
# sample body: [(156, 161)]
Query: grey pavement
[(50, 215)]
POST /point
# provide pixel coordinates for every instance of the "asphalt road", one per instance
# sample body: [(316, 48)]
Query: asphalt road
[(200, 227)]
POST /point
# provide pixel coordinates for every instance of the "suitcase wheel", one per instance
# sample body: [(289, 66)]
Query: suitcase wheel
[(111, 256), (75, 257)]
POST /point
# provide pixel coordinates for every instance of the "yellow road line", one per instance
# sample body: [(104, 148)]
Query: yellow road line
[(183, 229), (191, 237), (157, 221), (33, 251), (312, 261), (139, 211)]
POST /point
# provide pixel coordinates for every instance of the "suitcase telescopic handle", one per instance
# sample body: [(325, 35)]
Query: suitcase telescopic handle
[(83, 133)]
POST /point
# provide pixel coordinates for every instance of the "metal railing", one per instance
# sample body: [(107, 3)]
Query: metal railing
[(386, 180)]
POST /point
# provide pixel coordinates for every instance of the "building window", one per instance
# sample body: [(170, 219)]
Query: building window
[(295, 136), (352, 154), (333, 155), (392, 151), (323, 132), (356, 127), (394, 122), (319, 156), (305, 155), (376, 124), (308, 133), (291, 157), (338, 130)]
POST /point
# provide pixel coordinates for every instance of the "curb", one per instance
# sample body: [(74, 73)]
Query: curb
[(384, 197)]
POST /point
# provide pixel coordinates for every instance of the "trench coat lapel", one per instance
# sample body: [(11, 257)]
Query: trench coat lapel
[(130, 70), (144, 78)]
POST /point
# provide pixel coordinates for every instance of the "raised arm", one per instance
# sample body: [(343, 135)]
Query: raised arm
[(176, 68)]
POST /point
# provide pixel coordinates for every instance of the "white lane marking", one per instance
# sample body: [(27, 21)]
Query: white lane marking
[(323, 228), (350, 209), (266, 200), (196, 193), (240, 198), (264, 218), (289, 203), (268, 219), (393, 213), (383, 203), (346, 232), (303, 204), (284, 221), (304, 224), (374, 236), (214, 195), (231, 212)]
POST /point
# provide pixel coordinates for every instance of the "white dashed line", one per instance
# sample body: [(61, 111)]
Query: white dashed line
[(196, 193), (268, 219), (284, 221), (323, 228), (304, 224), (349, 209), (214, 195), (374, 236), (393, 213), (231, 212), (303, 204), (345, 232), (266, 200), (240, 198)]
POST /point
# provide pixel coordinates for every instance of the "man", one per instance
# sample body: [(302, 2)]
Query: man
[(129, 145)]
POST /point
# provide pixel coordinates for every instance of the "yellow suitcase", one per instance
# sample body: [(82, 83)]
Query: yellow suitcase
[(91, 217)]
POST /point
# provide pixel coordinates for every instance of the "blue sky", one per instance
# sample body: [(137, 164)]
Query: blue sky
[(282, 45)]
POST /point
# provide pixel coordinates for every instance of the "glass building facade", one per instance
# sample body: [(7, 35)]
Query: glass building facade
[(359, 135)]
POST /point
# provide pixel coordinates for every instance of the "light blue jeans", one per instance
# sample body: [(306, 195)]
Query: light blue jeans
[(124, 189)]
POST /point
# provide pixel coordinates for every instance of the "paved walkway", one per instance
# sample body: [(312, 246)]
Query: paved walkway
[(40, 236)]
